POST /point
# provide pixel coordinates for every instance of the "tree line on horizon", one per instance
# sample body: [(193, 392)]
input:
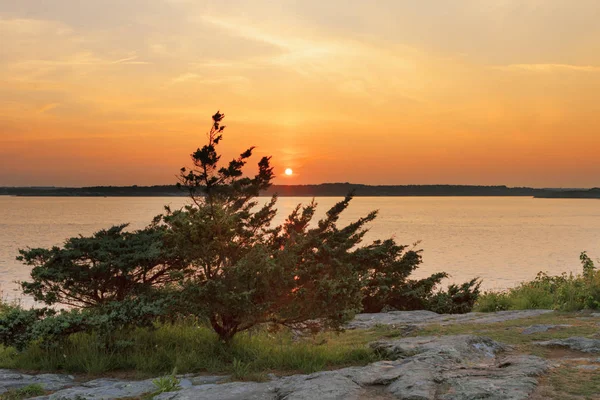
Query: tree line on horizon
[(315, 190)]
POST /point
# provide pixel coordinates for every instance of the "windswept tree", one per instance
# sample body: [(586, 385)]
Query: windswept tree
[(221, 259), (247, 272)]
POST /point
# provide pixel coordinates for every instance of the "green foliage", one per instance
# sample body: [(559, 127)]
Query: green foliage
[(166, 383), (112, 265), (456, 299), (219, 259), (18, 327), (387, 284), (246, 272), (566, 292), (25, 392), (192, 347)]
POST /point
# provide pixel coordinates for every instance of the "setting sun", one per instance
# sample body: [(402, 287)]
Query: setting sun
[(289, 171)]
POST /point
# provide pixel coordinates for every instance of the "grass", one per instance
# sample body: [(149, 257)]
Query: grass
[(189, 347), (23, 393), (566, 292)]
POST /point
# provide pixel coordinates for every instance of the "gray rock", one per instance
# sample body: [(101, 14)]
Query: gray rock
[(205, 379), (574, 343), (489, 388), (423, 318), (225, 391), (322, 385), (103, 389), (417, 383), (379, 373), (542, 328), (15, 380), (453, 348), (588, 367)]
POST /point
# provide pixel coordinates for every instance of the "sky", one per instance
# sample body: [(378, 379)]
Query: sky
[(112, 92)]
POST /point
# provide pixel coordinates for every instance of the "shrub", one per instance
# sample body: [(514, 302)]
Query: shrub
[(456, 299), (51, 328), (110, 266), (566, 292)]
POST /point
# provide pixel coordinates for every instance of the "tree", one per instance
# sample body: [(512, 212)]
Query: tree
[(246, 272), (109, 266), (221, 259)]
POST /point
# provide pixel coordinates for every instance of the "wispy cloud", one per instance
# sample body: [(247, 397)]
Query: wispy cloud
[(48, 107), (549, 67)]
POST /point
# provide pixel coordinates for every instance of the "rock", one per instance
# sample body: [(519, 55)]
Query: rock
[(588, 367), (376, 374), (103, 389), (322, 385), (205, 379), (542, 328), (225, 391), (15, 380), (489, 388), (574, 343), (455, 348), (449, 367), (423, 318), (417, 383)]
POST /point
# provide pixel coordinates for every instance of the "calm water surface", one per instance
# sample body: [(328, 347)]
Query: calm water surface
[(502, 240)]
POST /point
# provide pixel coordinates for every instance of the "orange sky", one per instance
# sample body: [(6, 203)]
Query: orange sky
[(103, 92)]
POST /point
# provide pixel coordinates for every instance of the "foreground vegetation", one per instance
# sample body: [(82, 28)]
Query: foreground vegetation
[(566, 292), (187, 347)]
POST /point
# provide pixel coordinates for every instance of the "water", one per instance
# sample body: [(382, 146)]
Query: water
[(504, 240)]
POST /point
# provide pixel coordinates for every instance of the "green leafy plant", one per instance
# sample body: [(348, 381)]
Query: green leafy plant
[(23, 393), (167, 383)]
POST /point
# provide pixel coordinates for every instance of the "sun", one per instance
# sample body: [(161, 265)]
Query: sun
[(289, 172)]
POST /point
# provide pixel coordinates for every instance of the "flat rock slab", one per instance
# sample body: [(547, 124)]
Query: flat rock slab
[(15, 380), (103, 389), (530, 330), (459, 367), (423, 318), (582, 344)]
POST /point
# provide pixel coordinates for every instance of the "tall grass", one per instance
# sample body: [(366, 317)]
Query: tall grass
[(190, 347), (566, 292)]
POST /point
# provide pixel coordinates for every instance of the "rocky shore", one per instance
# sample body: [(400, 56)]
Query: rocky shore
[(443, 367)]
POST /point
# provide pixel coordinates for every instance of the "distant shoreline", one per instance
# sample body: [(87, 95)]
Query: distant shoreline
[(321, 190)]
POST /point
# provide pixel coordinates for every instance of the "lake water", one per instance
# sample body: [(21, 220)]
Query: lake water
[(504, 240)]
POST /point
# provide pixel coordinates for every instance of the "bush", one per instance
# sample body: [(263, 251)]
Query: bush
[(51, 328), (456, 299), (110, 266), (566, 292)]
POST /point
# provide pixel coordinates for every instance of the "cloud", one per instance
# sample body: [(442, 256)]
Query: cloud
[(548, 68), (48, 107)]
